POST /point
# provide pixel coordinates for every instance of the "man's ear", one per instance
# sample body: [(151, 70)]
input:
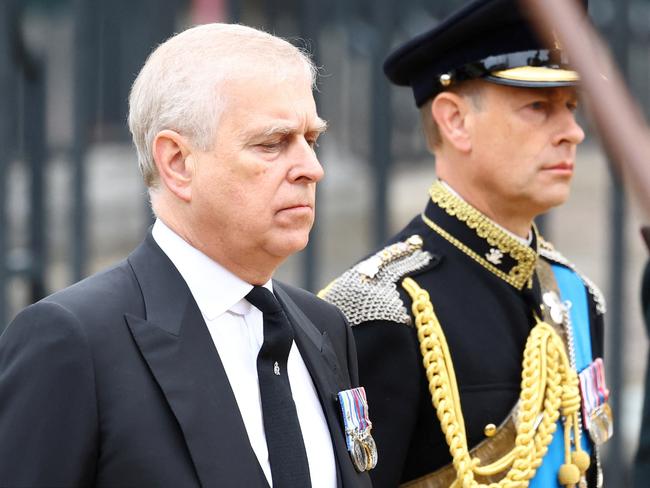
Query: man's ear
[(450, 112), (175, 162)]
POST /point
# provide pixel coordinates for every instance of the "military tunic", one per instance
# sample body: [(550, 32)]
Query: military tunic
[(642, 459), (484, 289)]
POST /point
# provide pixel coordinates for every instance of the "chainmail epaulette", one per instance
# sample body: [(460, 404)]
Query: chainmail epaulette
[(547, 250), (368, 291)]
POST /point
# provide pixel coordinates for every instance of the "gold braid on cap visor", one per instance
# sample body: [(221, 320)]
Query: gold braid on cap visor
[(541, 66), (540, 74)]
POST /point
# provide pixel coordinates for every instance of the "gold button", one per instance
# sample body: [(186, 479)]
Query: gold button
[(490, 430), (445, 79)]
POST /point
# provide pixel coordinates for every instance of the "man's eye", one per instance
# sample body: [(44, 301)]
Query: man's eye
[(313, 143), (539, 105), (270, 146)]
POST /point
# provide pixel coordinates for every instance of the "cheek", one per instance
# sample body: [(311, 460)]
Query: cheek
[(240, 183), (258, 196), (494, 139), (220, 194)]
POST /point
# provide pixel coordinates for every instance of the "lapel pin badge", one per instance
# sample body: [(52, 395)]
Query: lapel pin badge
[(359, 441)]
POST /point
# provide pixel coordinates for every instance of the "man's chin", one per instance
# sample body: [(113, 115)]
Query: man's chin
[(552, 201), (290, 244)]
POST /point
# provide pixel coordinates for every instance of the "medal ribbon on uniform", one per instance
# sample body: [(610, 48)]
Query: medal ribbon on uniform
[(360, 443), (596, 413), (594, 389)]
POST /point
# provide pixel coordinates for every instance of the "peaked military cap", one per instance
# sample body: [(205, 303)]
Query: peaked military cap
[(488, 39)]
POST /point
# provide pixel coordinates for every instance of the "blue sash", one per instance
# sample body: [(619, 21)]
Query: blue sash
[(571, 288)]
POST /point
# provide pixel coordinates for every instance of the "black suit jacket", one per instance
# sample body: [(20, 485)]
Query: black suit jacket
[(115, 382)]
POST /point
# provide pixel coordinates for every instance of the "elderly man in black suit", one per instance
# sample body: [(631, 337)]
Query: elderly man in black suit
[(186, 364)]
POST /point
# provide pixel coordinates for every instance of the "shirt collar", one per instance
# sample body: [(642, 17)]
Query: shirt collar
[(214, 288)]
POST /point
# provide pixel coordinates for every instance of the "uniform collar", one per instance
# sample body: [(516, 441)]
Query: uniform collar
[(483, 240)]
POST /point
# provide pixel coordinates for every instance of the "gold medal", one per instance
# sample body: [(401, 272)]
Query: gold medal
[(371, 451)]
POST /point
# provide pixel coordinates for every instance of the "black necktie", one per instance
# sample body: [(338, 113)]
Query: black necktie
[(287, 455)]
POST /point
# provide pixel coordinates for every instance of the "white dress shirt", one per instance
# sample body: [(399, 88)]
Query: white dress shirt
[(237, 330)]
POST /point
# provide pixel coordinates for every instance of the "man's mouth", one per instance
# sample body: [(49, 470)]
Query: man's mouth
[(298, 207), (562, 166)]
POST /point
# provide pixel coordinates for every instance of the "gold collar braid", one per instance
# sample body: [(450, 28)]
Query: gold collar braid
[(549, 387), (498, 239)]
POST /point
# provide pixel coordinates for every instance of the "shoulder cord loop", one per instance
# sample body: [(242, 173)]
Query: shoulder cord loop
[(549, 387)]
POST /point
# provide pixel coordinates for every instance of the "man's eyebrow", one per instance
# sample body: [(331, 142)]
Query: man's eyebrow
[(277, 129), (319, 126)]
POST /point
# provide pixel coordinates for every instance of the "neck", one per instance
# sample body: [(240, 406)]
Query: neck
[(507, 217), (253, 271), (483, 239), (250, 267), (516, 224)]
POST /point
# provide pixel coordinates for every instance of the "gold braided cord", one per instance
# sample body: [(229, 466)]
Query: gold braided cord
[(517, 283), (549, 387), (486, 229)]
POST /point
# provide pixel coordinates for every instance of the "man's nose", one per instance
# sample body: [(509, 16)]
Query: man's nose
[(570, 129), (305, 164)]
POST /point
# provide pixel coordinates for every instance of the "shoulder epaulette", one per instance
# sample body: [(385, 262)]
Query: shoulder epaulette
[(368, 291), (547, 250)]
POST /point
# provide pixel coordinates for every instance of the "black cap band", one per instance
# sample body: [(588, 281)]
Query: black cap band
[(485, 39)]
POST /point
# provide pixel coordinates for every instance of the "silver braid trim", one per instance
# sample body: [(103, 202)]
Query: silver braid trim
[(547, 250), (368, 291)]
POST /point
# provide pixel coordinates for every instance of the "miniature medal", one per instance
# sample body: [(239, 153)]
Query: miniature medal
[(359, 441), (359, 456), (596, 412)]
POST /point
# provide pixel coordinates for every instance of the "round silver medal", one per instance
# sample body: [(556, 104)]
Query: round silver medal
[(359, 456)]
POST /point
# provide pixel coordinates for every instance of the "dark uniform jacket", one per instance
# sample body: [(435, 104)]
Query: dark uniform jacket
[(484, 307), (115, 382), (642, 459)]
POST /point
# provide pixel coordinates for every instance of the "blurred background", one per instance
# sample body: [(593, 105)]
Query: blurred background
[(72, 201)]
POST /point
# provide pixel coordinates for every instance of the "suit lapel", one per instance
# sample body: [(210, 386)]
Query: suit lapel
[(179, 350), (320, 359)]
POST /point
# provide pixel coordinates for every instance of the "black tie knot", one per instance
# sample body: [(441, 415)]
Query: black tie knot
[(263, 299)]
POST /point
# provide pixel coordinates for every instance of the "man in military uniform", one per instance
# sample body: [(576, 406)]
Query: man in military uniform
[(510, 334)]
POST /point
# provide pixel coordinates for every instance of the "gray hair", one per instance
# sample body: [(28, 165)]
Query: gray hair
[(178, 87)]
